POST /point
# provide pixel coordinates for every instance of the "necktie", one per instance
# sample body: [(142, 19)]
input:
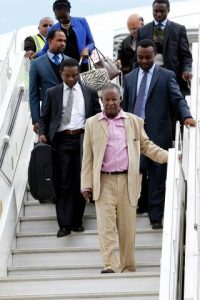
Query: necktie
[(68, 108), (160, 26), (56, 59), (140, 96)]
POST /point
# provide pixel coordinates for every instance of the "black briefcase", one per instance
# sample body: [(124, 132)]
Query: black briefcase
[(40, 173)]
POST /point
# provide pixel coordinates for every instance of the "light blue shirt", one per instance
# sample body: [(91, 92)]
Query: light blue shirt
[(50, 56), (164, 23), (149, 77)]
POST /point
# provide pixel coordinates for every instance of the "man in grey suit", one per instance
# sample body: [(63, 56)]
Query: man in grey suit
[(44, 73), (67, 107), (150, 92)]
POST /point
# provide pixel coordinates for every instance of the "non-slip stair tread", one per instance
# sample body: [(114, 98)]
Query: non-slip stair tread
[(97, 266), (86, 232), (77, 249), (108, 283), (80, 276), (148, 295), (49, 218)]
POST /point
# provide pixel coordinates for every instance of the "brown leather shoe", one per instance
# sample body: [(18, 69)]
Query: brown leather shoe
[(105, 271)]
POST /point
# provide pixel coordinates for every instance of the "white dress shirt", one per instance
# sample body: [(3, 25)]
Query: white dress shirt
[(78, 109)]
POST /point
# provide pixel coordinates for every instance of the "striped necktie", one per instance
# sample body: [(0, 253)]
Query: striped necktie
[(160, 26), (68, 108), (56, 59), (140, 96)]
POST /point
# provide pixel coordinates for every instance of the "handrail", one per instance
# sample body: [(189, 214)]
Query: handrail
[(192, 252), (5, 144), (173, 229), (6, 71)]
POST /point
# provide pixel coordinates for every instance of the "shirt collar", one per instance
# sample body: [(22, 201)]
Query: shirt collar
[(75, 87), (121, 115), (141, 71), (44, 37), (164, 22), (50, 54)]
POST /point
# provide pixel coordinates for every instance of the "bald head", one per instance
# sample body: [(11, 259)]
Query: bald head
[(44, 24), (133, 23)]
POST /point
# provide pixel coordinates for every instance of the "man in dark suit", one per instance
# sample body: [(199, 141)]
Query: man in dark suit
[(126, 52), (171, 44), (67, 107), (150, 92), (45, 73)]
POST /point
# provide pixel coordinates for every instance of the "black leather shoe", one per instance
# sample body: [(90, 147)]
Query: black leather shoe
[(156, 225), (106, 271), (141, 211), (63, 232), (77, 228)]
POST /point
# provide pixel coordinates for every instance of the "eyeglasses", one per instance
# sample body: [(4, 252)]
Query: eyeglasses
[(47, 25)]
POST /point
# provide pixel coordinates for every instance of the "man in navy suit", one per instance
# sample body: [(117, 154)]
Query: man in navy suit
[(80, 42), (44, 73), (67, 107), (160, 94), (171, 41)]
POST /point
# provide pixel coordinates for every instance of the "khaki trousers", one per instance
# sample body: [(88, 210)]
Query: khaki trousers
[(115, 214)]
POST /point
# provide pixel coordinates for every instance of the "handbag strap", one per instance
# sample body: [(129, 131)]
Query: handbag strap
[(89, 63), (99, 53)]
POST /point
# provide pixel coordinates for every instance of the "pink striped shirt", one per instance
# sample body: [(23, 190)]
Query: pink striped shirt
[(116, 153)]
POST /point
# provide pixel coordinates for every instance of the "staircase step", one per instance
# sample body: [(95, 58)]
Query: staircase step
[(34, 208), (88, 237), (67, 270), (87, 285), (70, 256), (45, 267), (45, 224), (119, 296)]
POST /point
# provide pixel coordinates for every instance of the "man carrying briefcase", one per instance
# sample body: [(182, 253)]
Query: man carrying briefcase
[(67, 107)]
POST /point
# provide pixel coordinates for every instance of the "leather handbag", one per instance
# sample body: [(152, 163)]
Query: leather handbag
[(108, 64), (95, 78)]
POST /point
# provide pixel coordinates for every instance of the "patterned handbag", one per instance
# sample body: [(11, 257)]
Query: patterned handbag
[(95, 78), (108, 64)]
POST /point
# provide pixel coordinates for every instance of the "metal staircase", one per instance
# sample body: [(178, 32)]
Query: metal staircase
[(41, 266)]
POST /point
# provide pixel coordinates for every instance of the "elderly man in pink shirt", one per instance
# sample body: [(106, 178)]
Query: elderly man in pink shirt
[(112, 146)]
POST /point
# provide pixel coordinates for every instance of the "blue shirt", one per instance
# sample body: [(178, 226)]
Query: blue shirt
[(50, 56)]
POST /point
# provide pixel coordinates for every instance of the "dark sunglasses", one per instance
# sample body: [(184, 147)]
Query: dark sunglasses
[(47, 25)]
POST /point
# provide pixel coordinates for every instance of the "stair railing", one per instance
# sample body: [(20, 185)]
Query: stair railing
[(173, 226), (192, 247)]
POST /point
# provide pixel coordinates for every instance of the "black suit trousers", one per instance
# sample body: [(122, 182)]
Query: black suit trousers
[(70, 204), (155, 188)]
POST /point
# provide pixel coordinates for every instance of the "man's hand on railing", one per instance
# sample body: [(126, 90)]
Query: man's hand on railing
[(36, 127), (29, 54), (42, 138), (189, 122)]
